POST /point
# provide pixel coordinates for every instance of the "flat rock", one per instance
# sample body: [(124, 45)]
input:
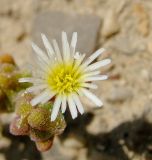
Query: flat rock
[(53, 23)]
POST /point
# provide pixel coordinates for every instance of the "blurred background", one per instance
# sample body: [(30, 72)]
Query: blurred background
[(122, 129)]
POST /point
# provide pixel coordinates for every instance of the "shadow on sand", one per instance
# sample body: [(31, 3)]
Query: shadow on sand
[(135, 135), (21, 148)]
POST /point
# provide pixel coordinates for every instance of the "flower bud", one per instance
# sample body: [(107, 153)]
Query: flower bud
[(6, 58), (19, 126), (39, 118), (37, 135)]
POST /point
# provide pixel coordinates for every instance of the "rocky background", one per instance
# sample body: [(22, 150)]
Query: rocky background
[(122, 129)]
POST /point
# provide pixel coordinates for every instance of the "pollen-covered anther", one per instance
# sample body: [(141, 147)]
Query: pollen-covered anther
[(65, 79)]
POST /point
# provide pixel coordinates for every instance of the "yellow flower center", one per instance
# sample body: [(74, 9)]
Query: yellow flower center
[(64, 79)]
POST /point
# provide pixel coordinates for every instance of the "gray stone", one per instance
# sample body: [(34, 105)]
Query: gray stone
[(96, 155), (72, 143), (53, 23)]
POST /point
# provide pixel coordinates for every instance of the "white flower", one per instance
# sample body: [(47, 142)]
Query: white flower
[(65, 76)]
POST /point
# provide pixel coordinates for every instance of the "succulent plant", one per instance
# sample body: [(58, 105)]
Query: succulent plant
[(44, 145), (39, 118), (9, 85), (35, 122), (32, 121), (19, 127)]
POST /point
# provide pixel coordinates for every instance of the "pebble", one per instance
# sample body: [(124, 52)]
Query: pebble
[(50, 24), (24, 10), (58, 152), (143, 24), (2, 157), (97, 126), (149, 46), (128, 152), (69, 152), (110, 24), (120, 94), (148, 111), (96, 155), (5, 119), (82, 154), (145, 74), (123, 45), (72, 143), (10, 34), (150, 74), (4, 143), (5, 7)]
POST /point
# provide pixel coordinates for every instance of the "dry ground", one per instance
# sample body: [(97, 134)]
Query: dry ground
[(122, 130)]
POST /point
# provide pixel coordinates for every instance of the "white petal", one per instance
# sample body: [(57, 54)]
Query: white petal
[(73, 42), (65, 46), (38, 99), (47, 98), (30, 80), (89, 85), (47, 45), (36, 88), (64, 105), (92, 73), (79, 61), (36, 71), (92, 97), (93, 56), (77, 55), (41, 63), (99, 64), (57, 50), (72, 108), (78, 103), (56, 108), (96, 78), (39, 52)]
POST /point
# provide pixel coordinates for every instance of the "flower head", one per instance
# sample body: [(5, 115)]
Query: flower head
[(64, 76)]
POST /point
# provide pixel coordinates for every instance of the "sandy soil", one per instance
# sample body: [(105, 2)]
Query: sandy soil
[(122, 129)]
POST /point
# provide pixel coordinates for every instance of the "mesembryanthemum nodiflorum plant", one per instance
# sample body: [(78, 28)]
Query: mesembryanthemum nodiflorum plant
[(65, 76), (9, 85), (32, 121), (35, 122), (58, 82)]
